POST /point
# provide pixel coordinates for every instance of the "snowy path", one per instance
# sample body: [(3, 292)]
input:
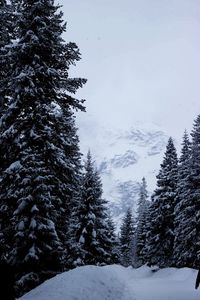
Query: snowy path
[(118, 283), (167, 284)]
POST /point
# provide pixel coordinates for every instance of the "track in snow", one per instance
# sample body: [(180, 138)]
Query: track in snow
[(118, 283)]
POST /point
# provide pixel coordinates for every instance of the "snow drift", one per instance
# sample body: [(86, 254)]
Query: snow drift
[(118, 283)]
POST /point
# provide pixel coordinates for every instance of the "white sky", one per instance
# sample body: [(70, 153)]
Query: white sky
[(141, 59)]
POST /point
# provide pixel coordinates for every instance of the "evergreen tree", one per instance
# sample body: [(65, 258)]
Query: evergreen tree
[(39, 146), (126, 239), (7, 24), (8, 19), (187, 212), (181, 202), (113, 242), (160, 225), (185, 153), (93, 239), (4, 40), (4, 32), (140, 233)]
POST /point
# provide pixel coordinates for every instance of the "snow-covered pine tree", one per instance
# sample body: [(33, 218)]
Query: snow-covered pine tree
[(126, 239), (181, 204), (39, 153), (6, 26), (8, 19), (92, 242), (104, 227), (185, 153), (160, 226), (113, 242), (140, 232), (4, 40), (4, 34), (187, 217)]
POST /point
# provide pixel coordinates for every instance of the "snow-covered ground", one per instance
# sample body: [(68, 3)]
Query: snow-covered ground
[(118, 283)]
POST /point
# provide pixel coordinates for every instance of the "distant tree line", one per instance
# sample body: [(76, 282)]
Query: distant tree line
[(166, 231)]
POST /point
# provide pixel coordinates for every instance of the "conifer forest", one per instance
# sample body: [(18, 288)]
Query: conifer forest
[(54, 216)]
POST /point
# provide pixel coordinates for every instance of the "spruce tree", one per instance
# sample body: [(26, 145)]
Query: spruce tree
[(140, 233), (113, 242), (9, 11), (160, 225), (7, 22), (4, 40), (126, 239), (187, 212), (4, 33), (38, 145), (181, 202), (93, 241)]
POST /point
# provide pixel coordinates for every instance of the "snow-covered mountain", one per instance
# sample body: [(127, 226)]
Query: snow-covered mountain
[(123, 157)]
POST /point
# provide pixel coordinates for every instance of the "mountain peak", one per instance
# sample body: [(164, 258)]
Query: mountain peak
[(124, 157)]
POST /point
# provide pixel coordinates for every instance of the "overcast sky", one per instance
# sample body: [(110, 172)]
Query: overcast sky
[(141, 59)]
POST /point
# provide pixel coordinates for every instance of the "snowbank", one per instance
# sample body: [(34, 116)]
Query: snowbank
[(118, 283)]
